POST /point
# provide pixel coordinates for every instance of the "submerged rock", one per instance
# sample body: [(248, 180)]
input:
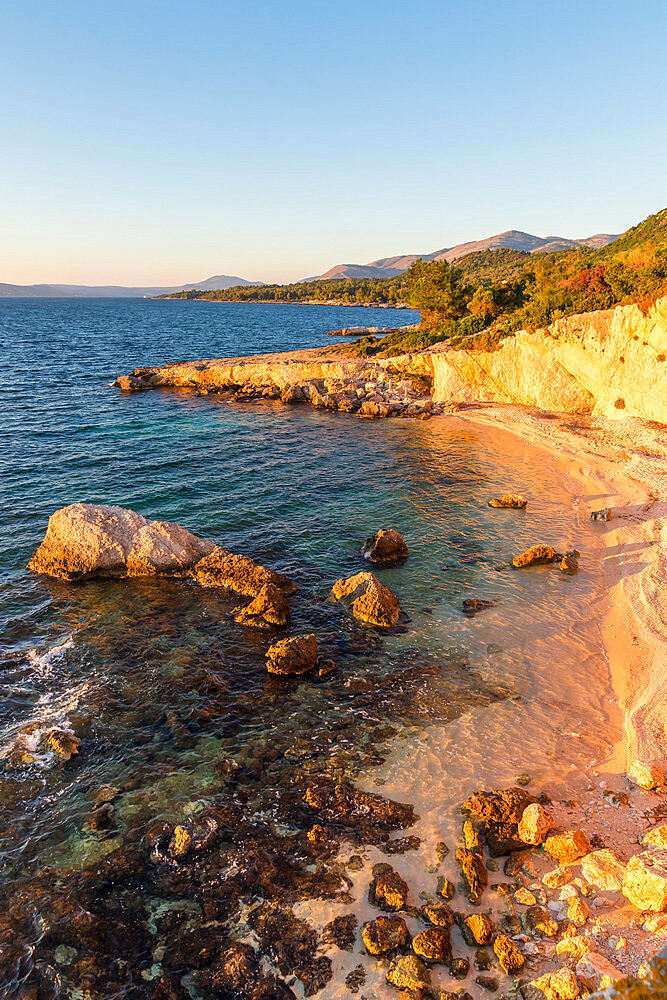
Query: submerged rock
[(340, 802), (295, 655), (510, 500), (45, 747), (534, 556), (385, 547), (268, 608), (367, 599), (384, 934), (241, 574), (473, 605)]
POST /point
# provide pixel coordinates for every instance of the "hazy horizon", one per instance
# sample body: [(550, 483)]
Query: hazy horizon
[(150, 146)]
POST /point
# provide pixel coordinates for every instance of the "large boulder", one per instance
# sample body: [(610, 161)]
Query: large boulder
[(241, 574), (385, 547), (500, 813), (86, 540), (296, 655), (367, 599), (645, 881), (567, 847), (384, 934)]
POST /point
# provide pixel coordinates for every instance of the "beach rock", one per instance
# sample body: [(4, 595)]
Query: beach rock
[(577, 910), (162, 547), (535, 824), (292, 394), (474, 874), (534, 556), (601, 515), (446, 888), (560, 985), (504, 806), (439, 914), (367, 599), (388, 890), (477, 929), (647, 775), (536, 920), (488, 983), (511, 500), (657, 837), (459, 968), (408, 972), (603, 869), (369, 408), (524, 897), (433, 945), (645, 881), (385, 547), (47, 747), (567, 847), (573, 948), (595, 972), (238, 573), (295, 655), (558, 877), (510, 957), (471, 838), (268, 608), (384, 934)]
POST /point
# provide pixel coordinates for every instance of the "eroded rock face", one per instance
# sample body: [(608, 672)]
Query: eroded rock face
[(268, 608), (368, 599), (295, 655), (385, 548), (241, 574)]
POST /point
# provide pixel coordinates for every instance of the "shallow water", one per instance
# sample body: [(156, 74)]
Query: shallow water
[(161, 686)]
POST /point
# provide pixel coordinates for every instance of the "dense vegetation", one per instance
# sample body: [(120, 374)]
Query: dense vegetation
[(487, 295)]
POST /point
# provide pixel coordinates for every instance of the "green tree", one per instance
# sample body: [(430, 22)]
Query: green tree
[(437, 289)]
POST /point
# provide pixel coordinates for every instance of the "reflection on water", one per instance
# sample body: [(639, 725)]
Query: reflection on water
[(171, 699)]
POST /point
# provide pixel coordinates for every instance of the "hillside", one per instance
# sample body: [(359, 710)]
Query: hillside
[(114, 291), (512, 239)]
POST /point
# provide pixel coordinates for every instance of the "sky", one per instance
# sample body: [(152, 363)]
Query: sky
[(161, 142)]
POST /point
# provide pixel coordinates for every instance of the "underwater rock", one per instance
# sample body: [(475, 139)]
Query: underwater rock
[(473, 605), (384, 934), (85, 540), (268, 608), (459, 968), (367, 599), (241, 574), (340, 802), (510, 500), (295, 655), (534, 556), (385, 547), (341, 931), (46, 747), (292, 945), (102, 818)]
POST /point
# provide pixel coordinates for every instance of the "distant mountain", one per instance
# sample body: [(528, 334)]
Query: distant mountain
[(513, 239), (116, 291)]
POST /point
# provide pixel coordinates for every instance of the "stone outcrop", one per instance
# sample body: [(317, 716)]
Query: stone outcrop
[(295, 655), (367, 599), (85, 540), (610, 363), (95, 540), (536, 555), (385, 548), (509, 500)]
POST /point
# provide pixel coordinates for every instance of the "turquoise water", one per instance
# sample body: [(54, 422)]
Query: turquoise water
[(161, 686)]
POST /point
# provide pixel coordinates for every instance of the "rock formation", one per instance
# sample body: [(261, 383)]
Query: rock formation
[(385, 548), (295, 655)]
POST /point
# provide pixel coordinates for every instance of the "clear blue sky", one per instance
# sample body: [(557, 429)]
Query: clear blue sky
[(160, 142)]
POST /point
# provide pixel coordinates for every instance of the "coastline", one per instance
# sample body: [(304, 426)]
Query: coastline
[(620, 464)]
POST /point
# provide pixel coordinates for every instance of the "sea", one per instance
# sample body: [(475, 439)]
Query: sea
[(170, 699)]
